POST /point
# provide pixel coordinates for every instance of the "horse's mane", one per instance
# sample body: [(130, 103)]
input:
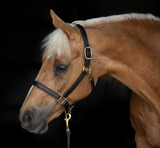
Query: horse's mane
[(57, 42), (116, 18)]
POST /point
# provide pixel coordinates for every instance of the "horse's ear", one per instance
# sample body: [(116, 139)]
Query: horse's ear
[(59, 23)]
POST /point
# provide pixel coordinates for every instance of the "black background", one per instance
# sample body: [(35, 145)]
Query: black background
[(101, 119)]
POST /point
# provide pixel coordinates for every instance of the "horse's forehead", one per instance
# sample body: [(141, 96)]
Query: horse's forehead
[(51, 61)]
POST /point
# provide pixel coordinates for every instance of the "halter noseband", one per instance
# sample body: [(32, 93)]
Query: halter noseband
[(62, 98)]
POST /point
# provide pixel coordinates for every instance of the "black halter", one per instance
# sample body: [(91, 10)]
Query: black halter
[(62, 98)]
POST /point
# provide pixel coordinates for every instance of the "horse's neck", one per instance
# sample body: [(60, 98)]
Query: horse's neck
[(124, 54)]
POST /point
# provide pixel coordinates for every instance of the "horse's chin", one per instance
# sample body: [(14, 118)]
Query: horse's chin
[(41, 129)]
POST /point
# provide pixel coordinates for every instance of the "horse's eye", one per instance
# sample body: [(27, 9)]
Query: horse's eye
[(60, 68)]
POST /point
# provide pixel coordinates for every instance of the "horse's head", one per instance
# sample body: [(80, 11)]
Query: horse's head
[(62, 63)]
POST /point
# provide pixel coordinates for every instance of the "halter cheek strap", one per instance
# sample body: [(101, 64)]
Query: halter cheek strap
[(62, 98)]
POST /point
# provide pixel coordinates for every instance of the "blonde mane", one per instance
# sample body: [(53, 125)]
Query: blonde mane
[(57, 43), (116, 18)]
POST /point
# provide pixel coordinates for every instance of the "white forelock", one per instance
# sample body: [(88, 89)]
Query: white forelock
[(56, 43)]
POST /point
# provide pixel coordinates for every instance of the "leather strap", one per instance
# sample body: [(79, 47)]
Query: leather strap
[(75, 84), (46, 89), (68, 139), (84, 35), (87, 49)]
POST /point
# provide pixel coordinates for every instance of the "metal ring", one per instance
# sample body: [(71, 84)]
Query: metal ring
[(89, 69)]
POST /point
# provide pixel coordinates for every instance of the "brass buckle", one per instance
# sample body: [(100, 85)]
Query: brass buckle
[(61, 97), (88, 58)]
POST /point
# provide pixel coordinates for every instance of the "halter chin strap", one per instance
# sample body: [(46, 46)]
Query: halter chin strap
[(62, 98)]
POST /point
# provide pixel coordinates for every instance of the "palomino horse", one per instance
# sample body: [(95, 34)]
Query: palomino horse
[(126, 47)]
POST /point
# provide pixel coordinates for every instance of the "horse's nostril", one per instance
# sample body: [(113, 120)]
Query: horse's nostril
[(27, 119)]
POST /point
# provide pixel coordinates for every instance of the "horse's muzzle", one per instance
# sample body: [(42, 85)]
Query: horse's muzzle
[(34, 123)]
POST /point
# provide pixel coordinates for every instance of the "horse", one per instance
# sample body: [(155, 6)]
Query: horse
[(125, 47)]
